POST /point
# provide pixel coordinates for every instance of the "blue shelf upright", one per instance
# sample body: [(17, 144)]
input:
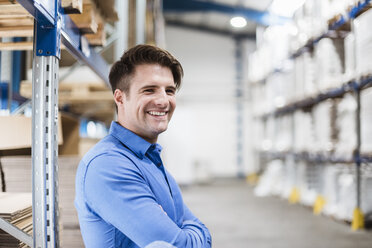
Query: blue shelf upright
[(52, 27)]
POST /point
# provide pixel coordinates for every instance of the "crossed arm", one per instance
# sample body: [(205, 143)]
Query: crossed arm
[(121, 196)]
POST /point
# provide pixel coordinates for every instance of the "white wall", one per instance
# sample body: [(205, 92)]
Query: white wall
[(201, 139)]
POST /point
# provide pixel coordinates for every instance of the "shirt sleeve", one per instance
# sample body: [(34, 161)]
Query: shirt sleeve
[(117, 192), (191, 222)]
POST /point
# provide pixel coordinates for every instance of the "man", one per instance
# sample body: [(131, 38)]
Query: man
[(124, 195)]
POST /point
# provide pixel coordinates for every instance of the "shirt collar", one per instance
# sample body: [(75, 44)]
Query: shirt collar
[(135, 143)]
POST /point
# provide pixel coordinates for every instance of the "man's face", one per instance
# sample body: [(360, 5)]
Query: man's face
[(151, 101)]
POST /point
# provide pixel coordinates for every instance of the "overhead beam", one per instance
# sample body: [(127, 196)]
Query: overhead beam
[(260, 17), (250, 36)]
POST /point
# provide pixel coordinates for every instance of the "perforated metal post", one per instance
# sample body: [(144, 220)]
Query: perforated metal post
[(45, 134), (45, 151)]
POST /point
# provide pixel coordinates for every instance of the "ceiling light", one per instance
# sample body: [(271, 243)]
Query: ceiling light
[(238, 22)]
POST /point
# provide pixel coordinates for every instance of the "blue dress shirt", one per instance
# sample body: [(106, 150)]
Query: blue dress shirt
[(126, 198)]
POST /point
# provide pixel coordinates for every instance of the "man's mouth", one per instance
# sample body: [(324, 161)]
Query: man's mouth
[(156, 113)]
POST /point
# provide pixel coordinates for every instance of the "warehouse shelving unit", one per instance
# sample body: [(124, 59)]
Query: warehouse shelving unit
[(353, 86), (52, 27)]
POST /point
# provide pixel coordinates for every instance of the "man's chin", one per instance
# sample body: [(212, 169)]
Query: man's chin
[(160, 130)]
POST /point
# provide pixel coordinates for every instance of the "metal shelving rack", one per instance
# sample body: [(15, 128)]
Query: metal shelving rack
[(354, 86), (51, 28)]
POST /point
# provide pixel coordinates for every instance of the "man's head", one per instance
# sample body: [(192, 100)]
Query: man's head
[(123, 69), (144, 83)]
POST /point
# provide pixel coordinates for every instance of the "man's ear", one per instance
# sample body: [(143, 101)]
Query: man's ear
[(119, 97)]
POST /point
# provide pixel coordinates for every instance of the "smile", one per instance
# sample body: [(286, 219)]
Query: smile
[(157, 113)]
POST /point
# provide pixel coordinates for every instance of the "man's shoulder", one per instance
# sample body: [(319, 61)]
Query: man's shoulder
[(108, 147), (100, 147)]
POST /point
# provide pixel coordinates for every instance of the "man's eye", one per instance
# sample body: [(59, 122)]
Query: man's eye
[(171, 92), (148, 91)]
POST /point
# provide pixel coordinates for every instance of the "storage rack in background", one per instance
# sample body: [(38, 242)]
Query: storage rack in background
[(51, 28), (355, 86)]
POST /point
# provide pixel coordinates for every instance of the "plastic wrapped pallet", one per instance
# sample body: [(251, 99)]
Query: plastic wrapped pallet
[(311, 183), (330, 189), (339, 191), (349, 46), (322, 125), (283, 138), (347, 195), (304, 76), (271, 181), (289, 176), (366, 120), (329, 63), (304, 137), (363, 43), (346, 125)]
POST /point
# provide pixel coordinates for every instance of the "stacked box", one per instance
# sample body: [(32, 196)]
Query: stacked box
[(18, 178)]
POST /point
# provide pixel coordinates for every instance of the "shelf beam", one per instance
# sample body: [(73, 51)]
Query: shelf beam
[(15, 232), (71, 37)]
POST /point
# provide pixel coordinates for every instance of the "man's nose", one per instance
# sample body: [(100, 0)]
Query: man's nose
[(161, 99)]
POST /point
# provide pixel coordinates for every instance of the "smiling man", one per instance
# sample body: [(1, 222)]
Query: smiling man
[(124, 195)]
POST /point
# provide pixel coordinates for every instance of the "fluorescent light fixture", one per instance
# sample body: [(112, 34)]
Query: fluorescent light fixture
[(285, 7), (238, 22)]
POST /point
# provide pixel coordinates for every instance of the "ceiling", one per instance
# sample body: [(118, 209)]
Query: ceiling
[(214, 15)]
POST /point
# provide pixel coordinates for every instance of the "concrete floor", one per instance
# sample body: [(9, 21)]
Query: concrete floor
[(237, 219)]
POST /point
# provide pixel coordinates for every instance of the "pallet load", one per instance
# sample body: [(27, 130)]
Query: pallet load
[(15, 208)]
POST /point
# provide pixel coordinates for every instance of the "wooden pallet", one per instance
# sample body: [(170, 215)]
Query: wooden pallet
[(89, 100), (15, 21)]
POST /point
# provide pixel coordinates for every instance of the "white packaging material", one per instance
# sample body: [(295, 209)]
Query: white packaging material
[(330, 189), (339, 191), (269, 134), (347, 193), (289, 177), (304, 137), (271, 181), (337, 7), (283, 138), (366, 193), (349, 57), (329, 55), (304, 75), (259, 103), (299, 69), (307, 182), (366, 120), (259, 63), (322, 126), (277, 37), (363, 38), (346, 125), (257, 134), (277, 93), (310, 87), (314, 13)]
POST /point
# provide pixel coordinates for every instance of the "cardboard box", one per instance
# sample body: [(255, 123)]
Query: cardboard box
[(16, 135)]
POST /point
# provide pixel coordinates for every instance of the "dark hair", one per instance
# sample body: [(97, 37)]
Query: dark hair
[(123, 69)]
